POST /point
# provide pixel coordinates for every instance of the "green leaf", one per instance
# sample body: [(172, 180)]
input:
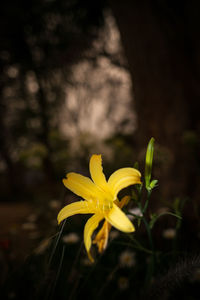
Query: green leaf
[(155, 217), (153, 183)]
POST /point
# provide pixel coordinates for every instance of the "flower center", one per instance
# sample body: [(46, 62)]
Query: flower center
[(105, 206), (102, 206)]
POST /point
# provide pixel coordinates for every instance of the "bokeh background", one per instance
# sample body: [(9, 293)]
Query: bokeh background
[(83, 77)]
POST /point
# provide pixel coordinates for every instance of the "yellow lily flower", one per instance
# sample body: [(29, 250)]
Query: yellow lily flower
[(100, 198)]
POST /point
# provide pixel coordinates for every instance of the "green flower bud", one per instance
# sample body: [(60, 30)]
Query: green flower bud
[(148, 163)]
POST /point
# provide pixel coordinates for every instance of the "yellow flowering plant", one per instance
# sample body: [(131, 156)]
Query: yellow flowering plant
[(100, 199)]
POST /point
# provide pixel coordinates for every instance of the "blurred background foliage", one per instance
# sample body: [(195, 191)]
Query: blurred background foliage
[(64, 88), (40, 40), (82, 77)]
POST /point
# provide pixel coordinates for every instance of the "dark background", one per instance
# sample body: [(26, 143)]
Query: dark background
[(41, 42)]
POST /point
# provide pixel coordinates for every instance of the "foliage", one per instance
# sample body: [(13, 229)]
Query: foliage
[(134, 265)]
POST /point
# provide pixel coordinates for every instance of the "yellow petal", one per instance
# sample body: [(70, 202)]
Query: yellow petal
[(123, 178), (90, 226), (124, 201), (119, 220), (96, 171), (80, 207), (82, 186), (101, 238)]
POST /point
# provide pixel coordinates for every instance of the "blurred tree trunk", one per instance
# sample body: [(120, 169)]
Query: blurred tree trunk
[(161, 43)]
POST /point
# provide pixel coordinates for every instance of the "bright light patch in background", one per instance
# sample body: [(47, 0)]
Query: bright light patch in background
[(98, 97)]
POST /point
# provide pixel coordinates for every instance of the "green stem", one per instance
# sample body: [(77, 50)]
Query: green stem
[(139, 246), (56, 243), (147, 202), (148, 233), (51, 289), (151, 266), (163, 214)]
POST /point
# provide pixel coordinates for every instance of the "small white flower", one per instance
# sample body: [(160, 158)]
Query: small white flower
[(55, 204), (71, 238), (169, 233), (127, 259), (29, 226), (12, 71), (134, 211)]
